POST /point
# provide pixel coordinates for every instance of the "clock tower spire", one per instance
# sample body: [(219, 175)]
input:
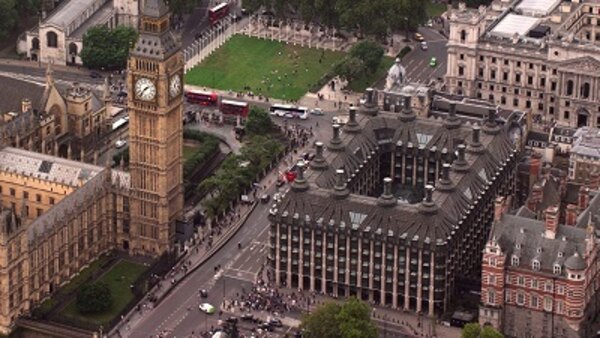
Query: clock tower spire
[(155, 70)]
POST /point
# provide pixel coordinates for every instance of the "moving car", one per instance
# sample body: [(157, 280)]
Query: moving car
[(418, 37), (424, 45), (303, 116), (203, 293), (275, 322), (433, 62), (207, 308), (248, 317), (317, 111), (280, 182), (95, 75), (265, 198)]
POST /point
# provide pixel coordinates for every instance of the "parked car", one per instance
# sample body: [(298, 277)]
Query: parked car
[(120, 143)]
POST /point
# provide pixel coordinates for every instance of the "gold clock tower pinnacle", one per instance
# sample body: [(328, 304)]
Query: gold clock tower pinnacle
[(154, 79)]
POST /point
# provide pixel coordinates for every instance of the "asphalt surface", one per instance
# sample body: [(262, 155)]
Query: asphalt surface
[(416, 62)]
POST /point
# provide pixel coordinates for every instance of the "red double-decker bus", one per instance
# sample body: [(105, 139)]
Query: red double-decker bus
[(218, 12), (202, 98), (237, 108)]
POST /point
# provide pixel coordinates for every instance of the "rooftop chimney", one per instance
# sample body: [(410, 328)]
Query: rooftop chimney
[(491, 127), (475, 145), (499, 208), (428, 206), (352, 126), (300, 183), (461, 164), (370, 105), (536, 196), (551, 222), (387, 199), (336, 142), (571, 215), (452, 121), (25, 105), (340, 190), (319, 162), (407, 114), (583, 199), (445, 184)]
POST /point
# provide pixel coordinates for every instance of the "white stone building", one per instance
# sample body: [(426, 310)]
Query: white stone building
[(59, 36), (540, 56)]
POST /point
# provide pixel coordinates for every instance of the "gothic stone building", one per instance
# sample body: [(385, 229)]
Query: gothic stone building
[(532, 55), (409, 247), (541, 278), (58, 215)]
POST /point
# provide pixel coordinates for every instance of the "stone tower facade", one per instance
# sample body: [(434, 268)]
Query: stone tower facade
[(155, 132)]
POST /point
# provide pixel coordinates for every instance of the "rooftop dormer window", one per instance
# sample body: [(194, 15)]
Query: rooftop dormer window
[(535, 265), (514, 261)]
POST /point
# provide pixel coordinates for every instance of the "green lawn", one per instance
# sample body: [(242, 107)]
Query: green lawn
[(189, 151), (435, 8), (269, 68), (360, 84), (118, 278)]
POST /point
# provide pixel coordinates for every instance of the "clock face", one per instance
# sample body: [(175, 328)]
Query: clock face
[(175, 85), (145, 89)]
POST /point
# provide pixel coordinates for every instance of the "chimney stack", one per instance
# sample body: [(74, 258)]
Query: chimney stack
[(25, 105), (535, 198), (319, 163), (370, 105), (583, 200), (340, 190), (387, 199), (475, 145), (571, 215), (445, 184), (407, 114), (499, 208), (336, 142), (551, 222), (300, 183), (428, 206), (452, 121), (491, 127), (461, 164), (352, 126)]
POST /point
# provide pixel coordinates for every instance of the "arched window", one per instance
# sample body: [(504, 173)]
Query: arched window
[(463, 35), (570, 87), (585, 90), (51, 39), (35, 44), (73, 50)]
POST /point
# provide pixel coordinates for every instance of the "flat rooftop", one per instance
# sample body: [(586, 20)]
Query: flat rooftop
[(537, 7), (46, 167), (514, 23)]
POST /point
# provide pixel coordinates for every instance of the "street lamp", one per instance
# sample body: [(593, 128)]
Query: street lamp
[(406, 28)]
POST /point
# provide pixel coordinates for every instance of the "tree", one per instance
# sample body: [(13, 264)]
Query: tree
[(94, 298), (474, 330), (349, 68), (259, 122), (107, 49), (349, 320), (8, 17), (369, 52)]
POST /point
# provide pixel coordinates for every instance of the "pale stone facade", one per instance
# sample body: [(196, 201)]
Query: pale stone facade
[(58, 215), (543, 60), (59, 36)]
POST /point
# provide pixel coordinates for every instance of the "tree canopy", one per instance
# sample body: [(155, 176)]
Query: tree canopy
[(474, 330), (352, 319), (104, 48), (11, 12), (258, 122), (94, 298), (364, 57)]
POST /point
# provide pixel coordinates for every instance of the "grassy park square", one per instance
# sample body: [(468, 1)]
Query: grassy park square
[(270, 68), (118, 278)]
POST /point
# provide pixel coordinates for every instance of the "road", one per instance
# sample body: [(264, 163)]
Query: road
[(416, 62)]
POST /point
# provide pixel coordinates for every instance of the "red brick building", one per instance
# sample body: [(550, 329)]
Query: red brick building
[(541, 278)]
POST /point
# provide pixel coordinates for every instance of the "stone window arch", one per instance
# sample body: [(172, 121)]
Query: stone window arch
[(57, 113), (570, 87), (35, 44), (463, 35), (73, 49), (585, 90), (52, 39)]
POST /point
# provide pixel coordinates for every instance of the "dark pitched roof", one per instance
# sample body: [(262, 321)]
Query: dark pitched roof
[(524, 238), (12, 91), (538, 136), (384, 133)]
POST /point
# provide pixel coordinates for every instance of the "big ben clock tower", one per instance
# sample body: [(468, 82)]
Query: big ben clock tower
[(155, 70)]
